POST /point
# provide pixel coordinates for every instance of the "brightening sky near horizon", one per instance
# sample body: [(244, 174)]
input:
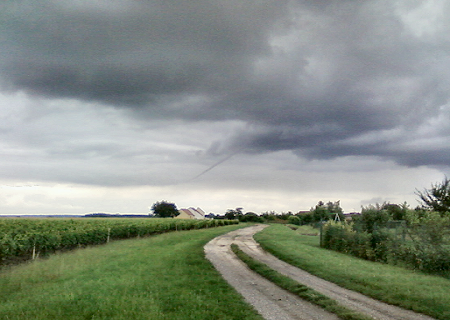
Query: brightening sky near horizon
[(112, 105)]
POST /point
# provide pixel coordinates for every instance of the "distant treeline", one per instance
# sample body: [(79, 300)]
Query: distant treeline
[(117, 215)]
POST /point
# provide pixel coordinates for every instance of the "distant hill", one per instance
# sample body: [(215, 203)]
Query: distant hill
[(41, 216), (116, 215), (89, 215)]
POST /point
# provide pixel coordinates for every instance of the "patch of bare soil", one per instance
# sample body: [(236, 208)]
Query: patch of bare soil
[(277, 304)]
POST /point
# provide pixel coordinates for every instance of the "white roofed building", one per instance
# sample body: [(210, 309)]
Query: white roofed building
[(191, 213)]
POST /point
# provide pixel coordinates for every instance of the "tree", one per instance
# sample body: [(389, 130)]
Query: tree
[(334, 208), (294, 220), (250, 217), (233, 214), (320, 212), (372, 217), (437, 198), (164, 209), (397, 212), (324, 212)]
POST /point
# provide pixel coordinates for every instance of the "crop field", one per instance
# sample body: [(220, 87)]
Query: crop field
[(22, 238)]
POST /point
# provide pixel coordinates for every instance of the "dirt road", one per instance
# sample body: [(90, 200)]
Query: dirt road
[(276, 304)]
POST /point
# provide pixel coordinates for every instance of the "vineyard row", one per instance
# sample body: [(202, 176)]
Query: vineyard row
[(27, 238)]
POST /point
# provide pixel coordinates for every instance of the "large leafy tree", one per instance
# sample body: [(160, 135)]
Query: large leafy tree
[(372, 217), (164, 209), (233, 214), (323, 212), (397, 212), (437, 198)]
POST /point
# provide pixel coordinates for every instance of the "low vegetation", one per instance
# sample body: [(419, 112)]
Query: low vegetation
[(164, 277), (410, 289), (22, 238)]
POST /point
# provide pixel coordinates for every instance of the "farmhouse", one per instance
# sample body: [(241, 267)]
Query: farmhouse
[(191, 213)]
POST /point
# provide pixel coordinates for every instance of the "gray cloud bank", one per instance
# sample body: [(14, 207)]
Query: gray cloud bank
[(323, 79)]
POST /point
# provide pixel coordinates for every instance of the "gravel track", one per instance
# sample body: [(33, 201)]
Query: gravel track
[(272, 302), (277, 304)]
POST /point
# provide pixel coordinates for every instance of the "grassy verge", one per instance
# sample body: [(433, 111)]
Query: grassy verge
[(160, 277), (398, 286), (298, 289)]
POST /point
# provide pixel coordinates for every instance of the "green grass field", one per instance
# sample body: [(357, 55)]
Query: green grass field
[(406, 288), (159, 277)]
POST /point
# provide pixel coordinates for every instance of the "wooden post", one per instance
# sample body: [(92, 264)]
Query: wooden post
[(321, 229)]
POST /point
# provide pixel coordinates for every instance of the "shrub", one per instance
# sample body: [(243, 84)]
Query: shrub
[(424, 258), (294, 220), (426, 247), (342, 237), (381, 242), (306, 218), (338, 237), (370, 218), (251, 217)]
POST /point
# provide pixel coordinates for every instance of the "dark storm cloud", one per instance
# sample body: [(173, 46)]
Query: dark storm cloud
[(129, 52), (304, 76)]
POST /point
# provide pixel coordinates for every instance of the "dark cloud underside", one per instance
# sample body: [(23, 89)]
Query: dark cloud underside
[(312, 77)]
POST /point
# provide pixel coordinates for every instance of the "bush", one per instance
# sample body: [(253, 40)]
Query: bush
[(381, 242), (425, 258), (426, 247), (294, 220), (432, 228), (372, 217), (251, 217), (343, 238), (306, 218)]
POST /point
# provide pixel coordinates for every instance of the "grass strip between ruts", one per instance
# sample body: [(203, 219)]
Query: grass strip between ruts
[(298, 289)]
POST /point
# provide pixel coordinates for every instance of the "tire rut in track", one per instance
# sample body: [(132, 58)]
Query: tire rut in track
[(274, 303)]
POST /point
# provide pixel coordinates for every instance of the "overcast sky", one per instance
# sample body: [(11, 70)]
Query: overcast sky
[(110, 106)]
